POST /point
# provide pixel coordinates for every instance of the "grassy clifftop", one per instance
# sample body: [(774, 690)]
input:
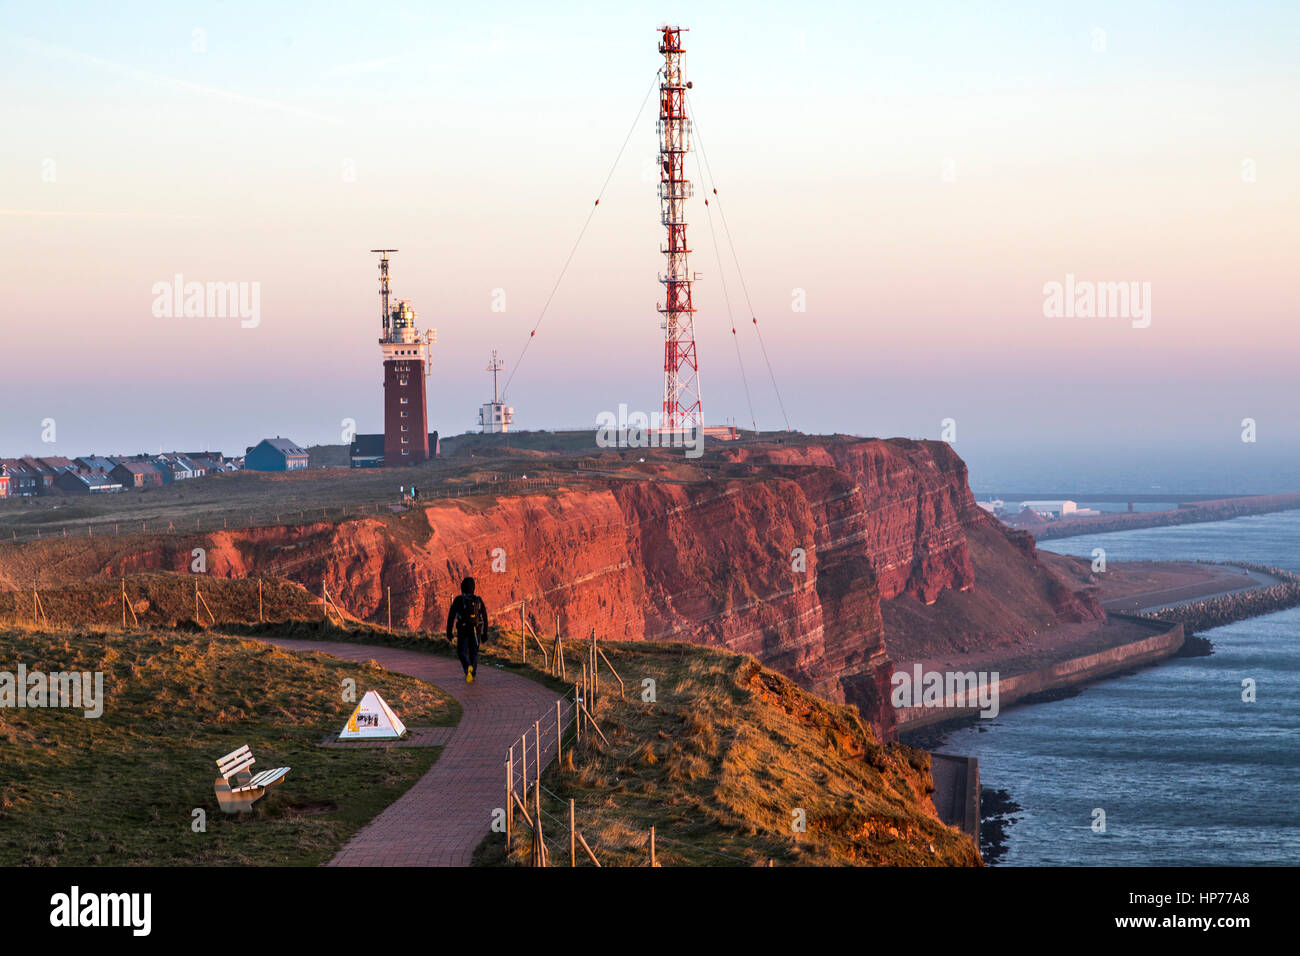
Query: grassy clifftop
[(733, 764), (724, 762), (121, 789)]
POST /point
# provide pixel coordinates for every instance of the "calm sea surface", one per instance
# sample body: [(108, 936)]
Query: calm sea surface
[(1186, 772)]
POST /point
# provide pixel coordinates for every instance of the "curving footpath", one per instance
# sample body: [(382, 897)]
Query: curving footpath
[(446, 814)]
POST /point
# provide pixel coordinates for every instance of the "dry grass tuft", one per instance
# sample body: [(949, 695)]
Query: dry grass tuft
[(724, 762)]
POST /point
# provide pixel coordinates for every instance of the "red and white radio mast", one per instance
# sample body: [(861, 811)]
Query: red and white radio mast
[(681, 366)]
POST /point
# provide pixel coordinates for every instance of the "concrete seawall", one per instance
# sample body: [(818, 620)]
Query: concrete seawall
[(1165, 640), (957, 791)]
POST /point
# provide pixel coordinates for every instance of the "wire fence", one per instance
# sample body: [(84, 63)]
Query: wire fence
[(533, 752), (226, 518), (571, 726), (221, 520), (218, 518)]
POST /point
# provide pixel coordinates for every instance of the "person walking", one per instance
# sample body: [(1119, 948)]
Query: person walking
[(468, 614)]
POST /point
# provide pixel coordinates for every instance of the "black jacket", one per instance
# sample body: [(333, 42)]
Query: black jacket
[(468, 614)]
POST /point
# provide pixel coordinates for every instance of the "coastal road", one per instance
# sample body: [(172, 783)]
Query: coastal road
[(446, 814)]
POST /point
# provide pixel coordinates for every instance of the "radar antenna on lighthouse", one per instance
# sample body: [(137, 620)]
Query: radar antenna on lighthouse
[(407, 362)]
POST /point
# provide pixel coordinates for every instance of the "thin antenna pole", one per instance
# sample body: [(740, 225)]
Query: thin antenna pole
[(495, 367), (383, 287)]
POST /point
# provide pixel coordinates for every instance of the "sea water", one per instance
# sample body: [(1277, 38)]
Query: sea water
[(1168, 765)]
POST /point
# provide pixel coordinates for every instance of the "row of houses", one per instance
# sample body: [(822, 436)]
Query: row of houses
[(94, 474)]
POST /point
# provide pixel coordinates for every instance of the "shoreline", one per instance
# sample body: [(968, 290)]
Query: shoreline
[(1151, 640), (1220, 600), (1224, 509)]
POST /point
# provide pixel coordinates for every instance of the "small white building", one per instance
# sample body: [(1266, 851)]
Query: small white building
[(1051, 509), (495, 417), (994, 506)]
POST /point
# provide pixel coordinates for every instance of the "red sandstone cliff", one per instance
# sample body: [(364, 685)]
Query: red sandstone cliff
[(888, 529)]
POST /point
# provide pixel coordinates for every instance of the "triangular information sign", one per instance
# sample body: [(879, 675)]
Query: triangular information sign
[(373, 720)]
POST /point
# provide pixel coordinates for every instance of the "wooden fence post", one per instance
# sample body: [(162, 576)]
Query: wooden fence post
[(523, 765), (652, 847), (594, 726), (510, 804), (583, 841), (622, 689), (559, 735), (559, 650), (537, 830), (573, 843), (537, 739), (199, 597)]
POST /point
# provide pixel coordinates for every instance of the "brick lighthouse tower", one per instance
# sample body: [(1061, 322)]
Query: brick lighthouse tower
[(406, 366)]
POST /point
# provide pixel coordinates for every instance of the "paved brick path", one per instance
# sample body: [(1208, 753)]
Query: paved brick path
[(446, 814)]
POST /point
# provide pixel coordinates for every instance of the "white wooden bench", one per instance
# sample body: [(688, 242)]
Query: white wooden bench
[(237, 788)]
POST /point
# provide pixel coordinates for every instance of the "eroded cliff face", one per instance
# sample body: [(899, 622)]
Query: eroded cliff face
[(786, 554), (784, 551)]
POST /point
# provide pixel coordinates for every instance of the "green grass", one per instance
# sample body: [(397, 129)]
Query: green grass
[(121, 789)]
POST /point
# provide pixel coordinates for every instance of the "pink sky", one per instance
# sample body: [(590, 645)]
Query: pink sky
[(924, 296)]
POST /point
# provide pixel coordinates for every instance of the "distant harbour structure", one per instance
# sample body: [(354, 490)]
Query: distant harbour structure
[(1050, 509), (406, 356), (495, 417), (1058, 509)]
